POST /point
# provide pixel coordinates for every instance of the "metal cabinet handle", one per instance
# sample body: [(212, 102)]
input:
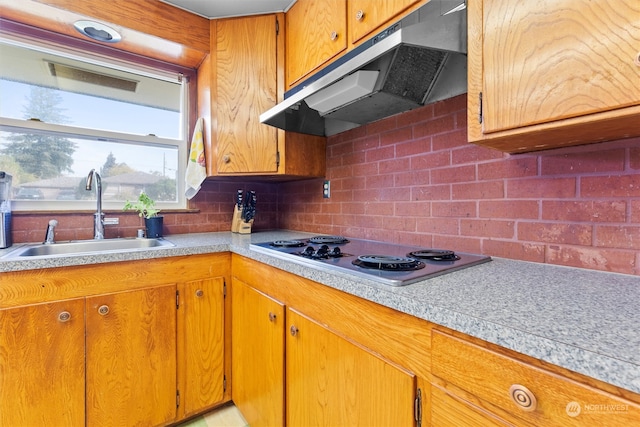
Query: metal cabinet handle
[(226, 158), (199, 293), (64, 316), (293, 330), (272, 316), (103, 310), (333, 36), (359, 15), (523, 397)]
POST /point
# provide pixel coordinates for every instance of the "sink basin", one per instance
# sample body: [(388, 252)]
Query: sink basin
[(79, 247)]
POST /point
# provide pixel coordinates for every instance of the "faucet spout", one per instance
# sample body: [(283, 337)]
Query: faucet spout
[(50, 237), (98, 217)]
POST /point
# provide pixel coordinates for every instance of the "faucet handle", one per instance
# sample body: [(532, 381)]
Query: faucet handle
[(111, 221)]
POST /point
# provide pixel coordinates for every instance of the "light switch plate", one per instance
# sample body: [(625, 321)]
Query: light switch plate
[(326, 189)]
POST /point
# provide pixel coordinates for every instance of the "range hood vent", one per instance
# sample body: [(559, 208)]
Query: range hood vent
[(417, 61)]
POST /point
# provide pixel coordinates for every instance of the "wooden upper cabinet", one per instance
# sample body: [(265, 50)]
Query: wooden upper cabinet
[(241, 79), (320, 31), (550, 62), (553, 73), (246, 87), (365, 16), (316, 33)]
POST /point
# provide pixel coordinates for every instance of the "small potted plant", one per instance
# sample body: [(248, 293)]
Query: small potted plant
[(146, 208)]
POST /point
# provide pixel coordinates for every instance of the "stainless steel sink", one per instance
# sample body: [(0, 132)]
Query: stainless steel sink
[(79, 247)]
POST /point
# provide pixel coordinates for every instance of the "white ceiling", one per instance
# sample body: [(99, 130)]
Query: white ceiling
[(227, 8)]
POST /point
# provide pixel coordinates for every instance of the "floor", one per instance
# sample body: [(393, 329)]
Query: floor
[(226, 416)]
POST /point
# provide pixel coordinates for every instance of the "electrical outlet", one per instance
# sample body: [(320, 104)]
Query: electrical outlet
[(326, 189)]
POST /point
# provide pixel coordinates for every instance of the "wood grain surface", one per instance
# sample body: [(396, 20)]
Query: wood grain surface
[(131, 357), (487, 376), (42, 365), (553, 60)]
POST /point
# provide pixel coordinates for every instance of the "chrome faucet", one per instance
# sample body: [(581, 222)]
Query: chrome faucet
[(98, 217), (50, 237)]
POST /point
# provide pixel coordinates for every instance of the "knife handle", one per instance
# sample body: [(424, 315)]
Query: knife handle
[(239, 198)]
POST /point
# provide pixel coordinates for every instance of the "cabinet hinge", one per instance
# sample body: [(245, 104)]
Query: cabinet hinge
[(277, 160), (480, 107), (417, 408), (277, 27), (177, 398), (177, 300), (224, 383), (224, 288)]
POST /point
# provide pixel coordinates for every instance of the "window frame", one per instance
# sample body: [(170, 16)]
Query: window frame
[(99, 54)]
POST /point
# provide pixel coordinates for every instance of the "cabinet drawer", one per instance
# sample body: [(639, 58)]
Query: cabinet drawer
[(450, 411), (545, 398)]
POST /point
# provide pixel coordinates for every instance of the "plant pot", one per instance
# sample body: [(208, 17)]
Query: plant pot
[(154, 226)]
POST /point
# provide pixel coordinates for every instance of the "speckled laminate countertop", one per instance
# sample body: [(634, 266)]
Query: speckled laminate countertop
[(586, 321)]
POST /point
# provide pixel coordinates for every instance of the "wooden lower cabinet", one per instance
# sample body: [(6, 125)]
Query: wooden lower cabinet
[(42, 364), (257, 355), (131, 357), (448, 410), (292, 366), (349, 361), (493, 388), (135, 343), (124, 340), (332, 381), (201, 336)]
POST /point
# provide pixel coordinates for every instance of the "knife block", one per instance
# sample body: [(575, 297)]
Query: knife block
[(237, 224), (245, 227), (237, 219)]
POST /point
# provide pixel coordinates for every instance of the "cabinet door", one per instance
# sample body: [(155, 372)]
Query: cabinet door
[(332, 381), (257, 356), (131, 357), (202, 340), (42, 365), (246, 87), (316, 32), (367, 15), (555, 59)]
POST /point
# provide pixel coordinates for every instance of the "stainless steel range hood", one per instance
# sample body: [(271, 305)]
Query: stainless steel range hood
[(417, 61)]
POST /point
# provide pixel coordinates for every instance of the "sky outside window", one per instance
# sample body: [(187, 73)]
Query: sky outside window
[(86, 95), (104, 114)]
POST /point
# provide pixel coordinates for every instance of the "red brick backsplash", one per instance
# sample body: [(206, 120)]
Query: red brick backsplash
[(212, 210), (414, 179)]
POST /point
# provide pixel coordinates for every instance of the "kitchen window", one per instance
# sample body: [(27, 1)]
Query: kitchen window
[(65, 111)]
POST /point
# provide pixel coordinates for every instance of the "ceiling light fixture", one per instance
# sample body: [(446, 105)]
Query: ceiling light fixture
[(98, 31)]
